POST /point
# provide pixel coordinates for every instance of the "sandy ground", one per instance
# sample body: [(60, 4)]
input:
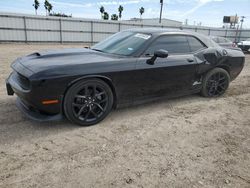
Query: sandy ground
[(186, 142)]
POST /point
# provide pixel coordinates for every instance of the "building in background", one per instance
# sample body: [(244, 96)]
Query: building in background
[(155, 21)]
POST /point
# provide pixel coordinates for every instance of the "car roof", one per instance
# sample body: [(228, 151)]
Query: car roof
[(156, 30), (163, 31)]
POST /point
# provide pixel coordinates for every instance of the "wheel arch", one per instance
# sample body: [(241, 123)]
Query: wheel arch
[(106, 79), (225, 67)]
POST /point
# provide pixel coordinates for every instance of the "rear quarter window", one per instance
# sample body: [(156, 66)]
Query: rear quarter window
[(222, 40), (195, 44), (215, 39)]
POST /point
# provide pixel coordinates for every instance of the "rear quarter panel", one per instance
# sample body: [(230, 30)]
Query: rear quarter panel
[(235, 61)]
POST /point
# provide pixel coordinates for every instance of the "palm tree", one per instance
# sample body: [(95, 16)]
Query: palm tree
[(105, 16), (120, 9), (36, 5), (46, 3), (114, 17), (141, 10), (49, 7), (102, 10)]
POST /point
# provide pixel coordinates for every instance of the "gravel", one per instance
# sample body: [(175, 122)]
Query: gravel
[(184, 142)]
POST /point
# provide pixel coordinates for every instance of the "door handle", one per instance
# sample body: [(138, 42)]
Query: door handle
[(190, 60)]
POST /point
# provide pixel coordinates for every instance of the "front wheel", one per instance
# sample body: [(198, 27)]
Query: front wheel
[(88, 102), (215, 83)]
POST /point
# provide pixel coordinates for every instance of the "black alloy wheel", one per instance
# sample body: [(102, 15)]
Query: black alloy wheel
[(215, 83), (88, 102)]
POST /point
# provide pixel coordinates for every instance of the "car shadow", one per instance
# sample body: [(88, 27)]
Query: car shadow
[(15, 127)]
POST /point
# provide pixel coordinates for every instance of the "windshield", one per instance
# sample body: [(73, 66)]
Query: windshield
[(122, 43)]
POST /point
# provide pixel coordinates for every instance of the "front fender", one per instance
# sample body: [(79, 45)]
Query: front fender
[(106, 79)]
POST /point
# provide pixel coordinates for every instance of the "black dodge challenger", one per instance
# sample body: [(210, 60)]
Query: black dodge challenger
[(130, 67)]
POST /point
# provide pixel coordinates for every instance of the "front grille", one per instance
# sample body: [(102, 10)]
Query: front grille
[(22, 81)]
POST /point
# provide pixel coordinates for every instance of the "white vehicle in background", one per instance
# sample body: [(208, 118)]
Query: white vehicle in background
[(244, 45), (224, 42)]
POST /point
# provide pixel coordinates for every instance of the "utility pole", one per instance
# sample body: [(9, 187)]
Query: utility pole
[(235, 40), (242, 20), (161, 2), (241, 23)]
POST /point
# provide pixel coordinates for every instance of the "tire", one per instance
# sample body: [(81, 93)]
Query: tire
[(88, 102), (215, 83)]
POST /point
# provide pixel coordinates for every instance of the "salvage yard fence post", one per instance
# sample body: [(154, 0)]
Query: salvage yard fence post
[(92, 34), (60, 26), (25, 29), (226, 33)]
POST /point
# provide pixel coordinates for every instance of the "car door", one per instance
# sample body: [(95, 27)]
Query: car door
[(171, 76)]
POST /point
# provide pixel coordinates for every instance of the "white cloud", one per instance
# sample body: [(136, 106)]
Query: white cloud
[(200, 4), (100, 3), (85, 5), (118, 2), (155, 13)]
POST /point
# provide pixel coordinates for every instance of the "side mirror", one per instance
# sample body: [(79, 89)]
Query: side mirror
[(158, 53), (161, 53)]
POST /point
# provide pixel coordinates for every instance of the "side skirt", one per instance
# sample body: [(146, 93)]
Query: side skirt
[(139, 102)]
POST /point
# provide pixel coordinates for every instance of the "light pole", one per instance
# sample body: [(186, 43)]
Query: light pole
[(161, 2), (242, 20), (241, 23)]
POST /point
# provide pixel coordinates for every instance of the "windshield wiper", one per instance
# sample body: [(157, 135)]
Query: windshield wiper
[(96, 49)]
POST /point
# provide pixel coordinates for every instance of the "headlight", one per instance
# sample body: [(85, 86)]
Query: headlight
[(22, 81)]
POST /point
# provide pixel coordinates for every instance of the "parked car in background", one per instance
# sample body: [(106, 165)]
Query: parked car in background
[(244, 45), (223, 41)]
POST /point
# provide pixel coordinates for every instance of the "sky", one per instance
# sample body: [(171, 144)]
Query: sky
[(208, 12)]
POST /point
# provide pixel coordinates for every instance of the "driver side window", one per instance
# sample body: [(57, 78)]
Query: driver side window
[(174, 44)]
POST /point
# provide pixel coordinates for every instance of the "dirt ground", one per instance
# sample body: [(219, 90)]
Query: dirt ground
[(185, 142)]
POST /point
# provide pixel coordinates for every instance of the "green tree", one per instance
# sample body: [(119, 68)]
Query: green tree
[(120, 9), (105, 16), (59, 14), (46, 4), (36, 5), (48, 7), (141, 10), (114, 17), (102, 10)]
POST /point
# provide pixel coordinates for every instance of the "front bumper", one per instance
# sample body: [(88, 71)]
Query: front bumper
[(34, 114), (24, 102)]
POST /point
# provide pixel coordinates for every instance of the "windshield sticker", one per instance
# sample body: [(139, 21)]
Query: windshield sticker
[(130, 49), (142, 36)]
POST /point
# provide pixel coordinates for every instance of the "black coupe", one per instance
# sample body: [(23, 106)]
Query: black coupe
[(130, 67)]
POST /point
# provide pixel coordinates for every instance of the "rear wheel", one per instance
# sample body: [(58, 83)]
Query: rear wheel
[(215, 83), (88, 102)]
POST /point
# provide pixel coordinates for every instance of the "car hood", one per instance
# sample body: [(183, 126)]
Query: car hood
[(50, 59)]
